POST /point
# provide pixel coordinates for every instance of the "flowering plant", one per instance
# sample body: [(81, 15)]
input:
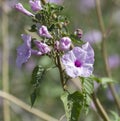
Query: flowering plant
[(73, 62)]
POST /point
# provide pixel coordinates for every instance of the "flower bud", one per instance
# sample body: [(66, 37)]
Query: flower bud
[(65, 43), (42, 47), (20, 8), (35, 5), (78, 33), (57, 45), (43, 31)]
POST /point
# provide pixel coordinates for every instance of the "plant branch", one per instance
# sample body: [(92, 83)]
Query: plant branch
[(100, 108), (104, 52), (61, 72), (26, 107)]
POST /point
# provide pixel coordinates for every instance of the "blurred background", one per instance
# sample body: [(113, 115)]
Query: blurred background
[(82, 14)]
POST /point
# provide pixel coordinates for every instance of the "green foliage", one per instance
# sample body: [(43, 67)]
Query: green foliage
[(115, 116), (73, 104), (104, 80), (37, 77), (87, 90)]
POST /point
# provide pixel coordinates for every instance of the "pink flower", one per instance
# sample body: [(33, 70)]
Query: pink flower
[(79, 61), (65, 43), (20, 8), (43, 31), (35, 5)]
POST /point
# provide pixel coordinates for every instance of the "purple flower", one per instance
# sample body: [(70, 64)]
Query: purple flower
[(43, 31), (24, 51), (20, 8), (79, 61), (43, 48), (35, 5), (92, 37), (65, 43), (114, 61)]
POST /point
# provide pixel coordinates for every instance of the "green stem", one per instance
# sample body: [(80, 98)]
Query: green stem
[(5, 61), (61, 72), (100, 108), (104, 52)]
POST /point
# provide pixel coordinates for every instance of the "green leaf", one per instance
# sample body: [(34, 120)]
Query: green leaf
[(33, 97), (33, 28), (115, 116), (106, 80), (87, 89), (73, 104), (37, 75)]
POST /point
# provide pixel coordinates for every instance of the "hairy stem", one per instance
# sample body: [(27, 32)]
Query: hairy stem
[(5, 61), (61, 72), (26, 107), (104, 52)]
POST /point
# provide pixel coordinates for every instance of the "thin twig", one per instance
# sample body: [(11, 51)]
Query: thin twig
[(26, 107), (100, 109), (104, 52), (5, 61)]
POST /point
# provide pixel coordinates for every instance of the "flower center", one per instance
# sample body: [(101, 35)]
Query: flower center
[(78, 63)]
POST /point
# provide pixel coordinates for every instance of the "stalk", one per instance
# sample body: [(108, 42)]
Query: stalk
[(5, 61), (105, 54)]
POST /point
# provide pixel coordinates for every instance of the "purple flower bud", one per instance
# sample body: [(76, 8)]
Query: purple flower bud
[(24, 51), (78, 33), (43, 31), (43, 48), (35, 5), (57, 45), (20, 8), (79, 61), (65, 43)]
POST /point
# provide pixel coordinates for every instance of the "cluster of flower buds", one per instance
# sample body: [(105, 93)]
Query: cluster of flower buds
[(77, 61)]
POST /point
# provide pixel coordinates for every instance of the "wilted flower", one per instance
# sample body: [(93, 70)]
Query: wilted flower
[(65, 43), (20, 8), (114, 61), (79, 61), (42, 47), (35, 5), (92, 37), (43, 31), (24, 51)]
